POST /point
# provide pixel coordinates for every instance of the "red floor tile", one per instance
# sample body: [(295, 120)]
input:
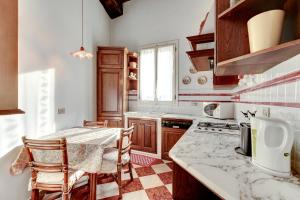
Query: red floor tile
[(166, 178), (170, 165), (156, 162), (159, 193), (131, 186), (111, 198), (144, 171)]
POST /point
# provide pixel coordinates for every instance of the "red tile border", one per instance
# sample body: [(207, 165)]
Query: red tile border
[(144, 171), (203, 101), (159, 193), (282, 104), (288, 78), (205, 94)]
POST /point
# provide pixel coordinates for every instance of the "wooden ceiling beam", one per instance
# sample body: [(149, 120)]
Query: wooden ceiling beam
[(114, 8)]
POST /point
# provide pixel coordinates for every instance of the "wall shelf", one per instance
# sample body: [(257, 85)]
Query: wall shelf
[(200, 39), (250, 8), (11, 112), (200, 58), (259, 62)]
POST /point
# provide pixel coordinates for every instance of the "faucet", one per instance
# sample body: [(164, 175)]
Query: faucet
[(249, 114)]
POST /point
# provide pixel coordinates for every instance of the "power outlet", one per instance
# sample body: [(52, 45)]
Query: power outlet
[(61, 111), (194, 104), (266, 112)]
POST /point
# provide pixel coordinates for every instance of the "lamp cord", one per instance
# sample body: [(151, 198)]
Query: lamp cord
[(82, 23)]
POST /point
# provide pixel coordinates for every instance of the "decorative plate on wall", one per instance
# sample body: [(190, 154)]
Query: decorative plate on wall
[(202, 80), (186, 80)]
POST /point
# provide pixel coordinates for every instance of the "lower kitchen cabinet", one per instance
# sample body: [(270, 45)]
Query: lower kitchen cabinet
[(170, 136), (186, 187), (144, 136), (172, 131)]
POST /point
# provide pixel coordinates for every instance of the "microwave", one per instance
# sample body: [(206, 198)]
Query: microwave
[(218, 110)]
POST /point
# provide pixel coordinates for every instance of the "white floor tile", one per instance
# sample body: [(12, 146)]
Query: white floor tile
[(169, 187), (161, 168), (138, 195), (107, 190), (127, 175), (151, 181)]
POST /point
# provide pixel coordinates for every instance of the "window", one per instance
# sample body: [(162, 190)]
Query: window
[(158, 73)]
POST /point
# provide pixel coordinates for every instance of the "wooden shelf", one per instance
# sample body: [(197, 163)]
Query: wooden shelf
[(250, 6), (200, 39), (11, 112), (259, 62), (235, 9), (200, 58), (133, 68), (132, 79)]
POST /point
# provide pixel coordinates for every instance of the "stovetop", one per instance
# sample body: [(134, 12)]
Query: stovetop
[(227, 128)]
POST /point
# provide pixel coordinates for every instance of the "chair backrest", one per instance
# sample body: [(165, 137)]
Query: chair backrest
[(125, 142), (36, 166), (95, 124)]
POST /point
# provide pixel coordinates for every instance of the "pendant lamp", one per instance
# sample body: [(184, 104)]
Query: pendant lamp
[(82, 53)]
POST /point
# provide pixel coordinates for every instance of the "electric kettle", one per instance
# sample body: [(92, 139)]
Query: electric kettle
[(272, 141)]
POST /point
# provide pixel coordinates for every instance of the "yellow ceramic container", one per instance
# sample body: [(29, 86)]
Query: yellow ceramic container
[(265, 30)]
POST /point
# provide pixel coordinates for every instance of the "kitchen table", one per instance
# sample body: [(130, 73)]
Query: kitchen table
[(85, 148)]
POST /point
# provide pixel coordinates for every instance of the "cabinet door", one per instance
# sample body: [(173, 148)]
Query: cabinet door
[(170, 136), (111, 58), (147, 129), (110, 92), (136, 136)]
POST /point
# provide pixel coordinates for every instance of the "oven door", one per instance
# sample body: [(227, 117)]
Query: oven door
[(209, 109)]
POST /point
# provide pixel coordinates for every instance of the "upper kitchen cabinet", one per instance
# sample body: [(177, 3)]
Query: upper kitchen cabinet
[(234, 55), (9, 57), (112, 99)]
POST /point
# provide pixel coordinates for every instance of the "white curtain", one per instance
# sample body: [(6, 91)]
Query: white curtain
[(147, 74), (165, 73)]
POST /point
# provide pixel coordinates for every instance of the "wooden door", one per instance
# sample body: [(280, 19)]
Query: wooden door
[(170, 136), (110, 92), (147, 129), (136, 137)]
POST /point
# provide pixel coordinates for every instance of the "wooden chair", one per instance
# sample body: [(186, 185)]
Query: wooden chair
[(95, 124), (51, 177), (114, 159)]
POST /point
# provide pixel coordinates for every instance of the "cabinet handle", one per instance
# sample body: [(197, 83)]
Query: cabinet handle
[(175, 127)]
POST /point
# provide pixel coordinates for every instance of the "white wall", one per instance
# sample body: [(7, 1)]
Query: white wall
[(146, 22), (49, 78), (287, 92)]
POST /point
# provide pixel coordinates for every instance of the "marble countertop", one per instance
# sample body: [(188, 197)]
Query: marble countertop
[(210, 158), (158, 115)]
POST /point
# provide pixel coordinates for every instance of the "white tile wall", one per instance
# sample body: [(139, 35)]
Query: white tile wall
[(288, 92)]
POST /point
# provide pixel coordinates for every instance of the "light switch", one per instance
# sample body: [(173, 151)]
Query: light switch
[(61, 111)]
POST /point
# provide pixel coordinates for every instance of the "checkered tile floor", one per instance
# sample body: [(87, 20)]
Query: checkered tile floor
[(150, 183)]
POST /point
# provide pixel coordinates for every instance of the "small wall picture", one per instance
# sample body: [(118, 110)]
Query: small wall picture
[(202, 80), (186, 80)]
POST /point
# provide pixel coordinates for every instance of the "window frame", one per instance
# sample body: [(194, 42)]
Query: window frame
[(155, 46)]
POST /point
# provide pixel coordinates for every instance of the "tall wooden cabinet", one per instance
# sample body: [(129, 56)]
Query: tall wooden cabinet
[(112, 98)]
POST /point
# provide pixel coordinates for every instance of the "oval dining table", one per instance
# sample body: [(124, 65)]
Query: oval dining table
[(85, 147)]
